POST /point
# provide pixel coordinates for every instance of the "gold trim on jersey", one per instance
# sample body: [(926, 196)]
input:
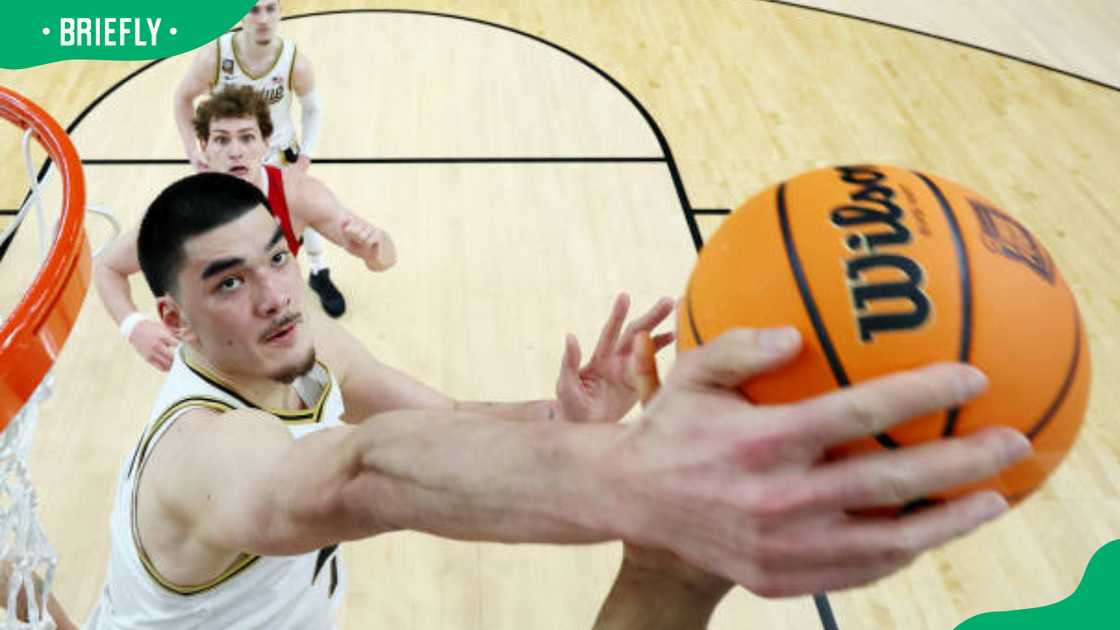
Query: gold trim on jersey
[(312, 415), (292, 67), (217, 65), (271, 67), (240, 563)]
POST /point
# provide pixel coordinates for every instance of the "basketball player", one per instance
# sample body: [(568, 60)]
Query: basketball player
[(276, 437), (233, 128), (258, 57)]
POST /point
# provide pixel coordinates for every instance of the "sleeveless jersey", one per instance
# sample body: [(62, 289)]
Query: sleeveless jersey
[(276, 592), (275, 85), (272, 179)]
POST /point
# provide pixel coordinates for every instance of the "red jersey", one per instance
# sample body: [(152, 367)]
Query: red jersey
[(279, 204)]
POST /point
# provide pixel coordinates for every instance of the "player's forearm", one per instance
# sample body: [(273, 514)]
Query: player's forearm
[(474, 477), (114, 291), (184, 115), (311, 121), (643, 600), (530, 410)]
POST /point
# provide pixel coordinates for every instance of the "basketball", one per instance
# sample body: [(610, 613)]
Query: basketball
[(883, 269)]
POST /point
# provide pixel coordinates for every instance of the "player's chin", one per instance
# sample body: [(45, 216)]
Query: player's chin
[(295, 364)]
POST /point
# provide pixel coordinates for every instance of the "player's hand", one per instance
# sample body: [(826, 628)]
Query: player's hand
[(604, 390), (371, 244), (198, 162), (651, 561), (155, 342), (303, 162), (743, 491)]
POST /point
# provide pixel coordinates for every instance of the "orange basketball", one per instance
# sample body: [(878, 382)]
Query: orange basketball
[(883, 269)]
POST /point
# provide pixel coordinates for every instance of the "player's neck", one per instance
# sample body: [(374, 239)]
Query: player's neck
[(261, 391), (255, 52)]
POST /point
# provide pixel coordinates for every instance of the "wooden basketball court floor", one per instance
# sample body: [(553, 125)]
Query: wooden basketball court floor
[(531, 159)]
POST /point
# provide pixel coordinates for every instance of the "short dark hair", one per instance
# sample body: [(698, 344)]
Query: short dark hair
[(234, 101), (189, 207)]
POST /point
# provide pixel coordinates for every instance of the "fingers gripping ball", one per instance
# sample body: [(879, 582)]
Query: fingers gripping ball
[(883, 269)]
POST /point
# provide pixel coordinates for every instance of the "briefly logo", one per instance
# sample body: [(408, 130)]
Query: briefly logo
[(873, 206), (1006, 237), (227, 66)]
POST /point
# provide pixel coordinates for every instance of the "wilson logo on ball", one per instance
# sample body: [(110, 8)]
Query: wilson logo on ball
[(878, 219)]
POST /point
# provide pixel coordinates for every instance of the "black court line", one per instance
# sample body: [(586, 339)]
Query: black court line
[(410, 160), (824, 609), (7, 212), (687, 213), (716, 211), (944, 38)]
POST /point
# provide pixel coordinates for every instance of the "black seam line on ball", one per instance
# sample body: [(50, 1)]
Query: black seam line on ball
[(964, 272), (691, 319), (819, 329), (1048, 415)]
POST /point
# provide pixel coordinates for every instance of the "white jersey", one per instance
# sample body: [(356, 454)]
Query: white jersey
[(275, 85), (275, 592)]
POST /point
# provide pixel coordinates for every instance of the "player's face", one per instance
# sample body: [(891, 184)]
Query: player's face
[(240, 292), (261, 21), (235, 146)]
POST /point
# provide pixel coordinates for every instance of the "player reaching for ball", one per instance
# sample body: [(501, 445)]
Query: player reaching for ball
[(220, 504), (258, 57)]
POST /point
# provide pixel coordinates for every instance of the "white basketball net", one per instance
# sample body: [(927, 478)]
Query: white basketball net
[(24, 548), (26, 556)]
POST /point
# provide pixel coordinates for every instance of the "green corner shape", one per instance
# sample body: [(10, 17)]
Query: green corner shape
[(1092, 605)]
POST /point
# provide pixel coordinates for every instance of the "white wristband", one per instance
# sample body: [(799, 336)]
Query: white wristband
[(128, 324)]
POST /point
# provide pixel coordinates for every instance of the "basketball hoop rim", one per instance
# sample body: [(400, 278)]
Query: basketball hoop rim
[(37, 327)]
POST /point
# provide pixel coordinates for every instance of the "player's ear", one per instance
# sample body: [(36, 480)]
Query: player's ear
[(172, 316)]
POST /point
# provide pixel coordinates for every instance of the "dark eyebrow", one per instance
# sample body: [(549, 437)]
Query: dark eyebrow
[(276, 236), (218, 266)]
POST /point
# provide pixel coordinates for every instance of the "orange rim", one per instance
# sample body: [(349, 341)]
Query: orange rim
[(38, 326)]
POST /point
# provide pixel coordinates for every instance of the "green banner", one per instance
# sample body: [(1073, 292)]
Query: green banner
[(1092, 605), (35, 33)]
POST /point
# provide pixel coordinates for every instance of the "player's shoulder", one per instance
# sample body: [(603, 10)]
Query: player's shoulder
[(301, 188), (333, 348), (301, 63), (202, 427), (207, 54)]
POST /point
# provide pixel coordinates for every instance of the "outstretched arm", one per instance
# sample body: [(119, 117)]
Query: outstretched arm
[(736, 490), (152, 339), (655, 589), (418, 470), (199, 78), (370, 387), (600, 391)]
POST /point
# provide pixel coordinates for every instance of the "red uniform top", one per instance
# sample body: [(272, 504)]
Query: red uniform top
[(279, 204)]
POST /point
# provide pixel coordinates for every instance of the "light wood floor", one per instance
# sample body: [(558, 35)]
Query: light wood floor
[(499, 260), (1081, 40)]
